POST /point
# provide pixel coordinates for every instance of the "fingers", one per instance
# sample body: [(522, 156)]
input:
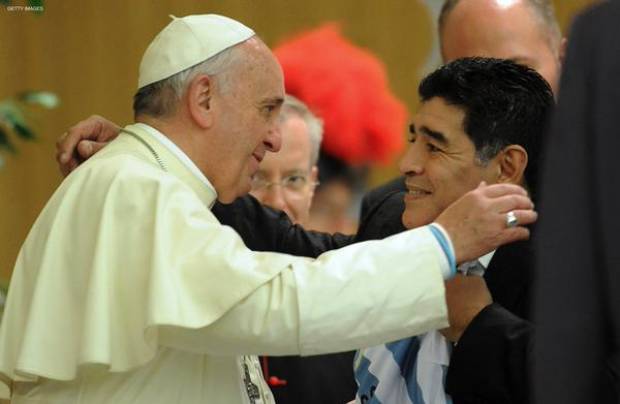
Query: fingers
[(82, 141), (66, 144), (498, 190), (525, 217), (87, 148), (511, 235), (511, 202), (68, 166)]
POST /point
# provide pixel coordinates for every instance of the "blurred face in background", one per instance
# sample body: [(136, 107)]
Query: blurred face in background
[(504, 29), (286, 180)]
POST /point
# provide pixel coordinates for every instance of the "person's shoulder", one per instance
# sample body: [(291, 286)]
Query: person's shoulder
[(382, 209), (124, 176), (379, 193)]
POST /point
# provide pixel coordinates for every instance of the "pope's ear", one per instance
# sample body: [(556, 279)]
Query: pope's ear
[(512, 163), (200, 100)]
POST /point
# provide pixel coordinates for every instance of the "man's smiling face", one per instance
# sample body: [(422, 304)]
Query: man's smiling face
[(440, 164)]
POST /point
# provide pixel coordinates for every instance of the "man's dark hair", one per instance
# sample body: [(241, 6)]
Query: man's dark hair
[(504, 103)]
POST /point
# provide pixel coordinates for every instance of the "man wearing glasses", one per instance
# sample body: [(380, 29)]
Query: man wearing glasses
[(286, 180)]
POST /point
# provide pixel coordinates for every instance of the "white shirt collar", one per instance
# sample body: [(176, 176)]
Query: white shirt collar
[(486, 259), (174, 149)]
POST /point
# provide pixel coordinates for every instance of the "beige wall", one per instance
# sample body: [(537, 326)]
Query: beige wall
[(88, 51)]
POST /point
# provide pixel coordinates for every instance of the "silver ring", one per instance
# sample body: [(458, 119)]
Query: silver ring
[(511, 219)]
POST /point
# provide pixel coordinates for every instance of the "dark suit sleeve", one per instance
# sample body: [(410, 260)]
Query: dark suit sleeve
[(491, 362), (266, 229)]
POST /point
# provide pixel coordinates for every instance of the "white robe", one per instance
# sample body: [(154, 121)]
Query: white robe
[(128, 290)]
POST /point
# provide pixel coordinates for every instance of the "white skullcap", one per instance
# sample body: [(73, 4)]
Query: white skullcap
[(188, 41)]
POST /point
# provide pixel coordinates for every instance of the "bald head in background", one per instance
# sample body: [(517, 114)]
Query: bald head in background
[(525, 31)]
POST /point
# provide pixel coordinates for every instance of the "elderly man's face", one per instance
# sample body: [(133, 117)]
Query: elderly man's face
[(440, 164), (246, 120), (286, 180), (505, 29)]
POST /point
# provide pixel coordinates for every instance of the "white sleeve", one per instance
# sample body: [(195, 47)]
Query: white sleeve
[(362, 295)]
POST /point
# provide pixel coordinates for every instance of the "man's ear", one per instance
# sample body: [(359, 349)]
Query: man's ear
[(512, 161), (200, 100)]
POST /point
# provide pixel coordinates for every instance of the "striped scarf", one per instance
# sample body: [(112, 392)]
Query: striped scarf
[(408, 371)]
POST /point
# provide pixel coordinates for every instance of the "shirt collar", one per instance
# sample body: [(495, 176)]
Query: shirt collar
[(486, 259)]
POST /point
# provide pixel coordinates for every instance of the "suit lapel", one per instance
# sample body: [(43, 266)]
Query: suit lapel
[(509, 277)]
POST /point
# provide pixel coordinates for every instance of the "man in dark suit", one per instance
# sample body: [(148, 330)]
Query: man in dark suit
[(478, 122), (577, 298)]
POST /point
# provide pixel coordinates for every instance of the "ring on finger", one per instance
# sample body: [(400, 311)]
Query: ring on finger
[(511, 219)]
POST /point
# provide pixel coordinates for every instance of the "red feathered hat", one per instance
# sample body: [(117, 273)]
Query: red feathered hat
[(347, 87)]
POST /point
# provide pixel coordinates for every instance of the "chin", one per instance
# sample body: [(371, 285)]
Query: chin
[(229, 195), (411, 220), (407, 220)]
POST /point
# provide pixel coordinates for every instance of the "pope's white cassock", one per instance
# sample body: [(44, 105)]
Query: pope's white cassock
[(128, 290)]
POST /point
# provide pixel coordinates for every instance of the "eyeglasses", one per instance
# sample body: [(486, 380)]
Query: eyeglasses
[(293, 183)]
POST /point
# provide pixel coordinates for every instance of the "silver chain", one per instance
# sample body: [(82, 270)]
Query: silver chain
[(148, 146)]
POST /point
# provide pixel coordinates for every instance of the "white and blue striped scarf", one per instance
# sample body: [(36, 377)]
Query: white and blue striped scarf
[(408, 371), (411, 370)]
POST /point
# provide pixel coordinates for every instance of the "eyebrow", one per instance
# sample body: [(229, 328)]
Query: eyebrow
[(437, 136), (272, 101)]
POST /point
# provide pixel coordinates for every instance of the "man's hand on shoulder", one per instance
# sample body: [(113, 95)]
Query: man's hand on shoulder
[(477, 222), (82, 141)]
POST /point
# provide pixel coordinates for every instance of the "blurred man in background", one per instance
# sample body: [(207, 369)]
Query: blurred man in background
[(285, 181), (525, 31)]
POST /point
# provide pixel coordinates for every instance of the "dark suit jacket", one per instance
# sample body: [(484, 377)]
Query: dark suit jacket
[(578, 290), (495, 342), (491, 362)]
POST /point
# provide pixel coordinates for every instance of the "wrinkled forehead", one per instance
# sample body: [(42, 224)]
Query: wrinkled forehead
[(494, 29), (439, 120), (260, 66)]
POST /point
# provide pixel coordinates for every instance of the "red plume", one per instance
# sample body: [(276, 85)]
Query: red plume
[(347, 87)]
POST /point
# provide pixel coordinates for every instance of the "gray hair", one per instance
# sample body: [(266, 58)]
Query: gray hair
[(543, 9), (160, 99), (294, 107)]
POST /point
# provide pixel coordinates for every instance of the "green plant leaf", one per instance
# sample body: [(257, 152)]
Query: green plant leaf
[(23, 131), (5, 2), (11, 112), (45, 99), (5, 143), (38, 4)]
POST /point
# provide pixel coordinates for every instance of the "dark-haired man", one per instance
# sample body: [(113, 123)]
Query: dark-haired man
[(480, 120)]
